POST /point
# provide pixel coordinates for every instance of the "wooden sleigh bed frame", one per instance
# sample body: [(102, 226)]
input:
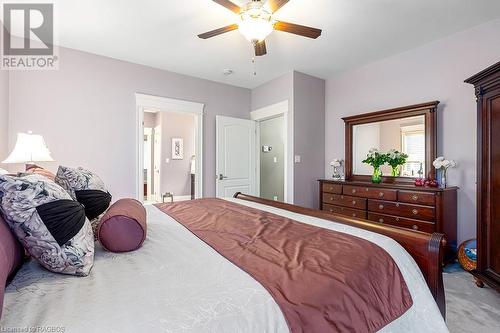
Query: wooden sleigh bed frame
[(426, 249)]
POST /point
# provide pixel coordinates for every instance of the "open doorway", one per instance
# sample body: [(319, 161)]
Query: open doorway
[(271, 138), (170, 154), (169, 149), (274, 152)]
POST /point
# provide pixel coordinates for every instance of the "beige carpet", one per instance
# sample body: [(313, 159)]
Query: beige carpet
[(469, 308)]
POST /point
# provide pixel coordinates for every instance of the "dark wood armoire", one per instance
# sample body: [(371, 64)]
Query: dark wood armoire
[(487, 87)]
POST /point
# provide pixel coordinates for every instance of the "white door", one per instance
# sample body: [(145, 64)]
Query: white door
[(157, 164), (235, 151)]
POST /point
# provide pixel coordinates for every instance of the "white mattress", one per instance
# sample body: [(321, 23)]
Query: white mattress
[(177, 283)]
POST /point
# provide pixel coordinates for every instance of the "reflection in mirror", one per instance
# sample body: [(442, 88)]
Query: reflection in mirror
[(406, 135)]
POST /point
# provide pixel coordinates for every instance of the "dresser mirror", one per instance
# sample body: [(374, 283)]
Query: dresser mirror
[(410, 130)]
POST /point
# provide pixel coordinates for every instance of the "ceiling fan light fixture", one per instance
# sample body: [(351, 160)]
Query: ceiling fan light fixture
[(256, 24)]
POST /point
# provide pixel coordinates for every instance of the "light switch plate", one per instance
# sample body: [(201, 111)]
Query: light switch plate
[(297, 158)]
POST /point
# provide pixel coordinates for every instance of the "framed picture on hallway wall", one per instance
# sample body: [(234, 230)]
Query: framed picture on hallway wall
[(177, 149)]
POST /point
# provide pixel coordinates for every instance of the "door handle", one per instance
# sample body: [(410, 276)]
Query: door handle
[(222, 177)]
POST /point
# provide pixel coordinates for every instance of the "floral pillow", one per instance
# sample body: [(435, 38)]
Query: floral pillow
[(85, 187), (51, 226)]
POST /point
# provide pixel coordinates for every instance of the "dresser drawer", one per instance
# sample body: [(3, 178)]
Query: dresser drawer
[(331, 188), (419, 198), (402, 222), (371, 192), (345, 211), (345, 200), (401, 209)]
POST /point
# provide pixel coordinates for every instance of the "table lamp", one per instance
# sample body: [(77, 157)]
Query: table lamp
[(29, 148)]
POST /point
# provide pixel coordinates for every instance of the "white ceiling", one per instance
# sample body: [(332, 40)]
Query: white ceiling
[(162, 33)]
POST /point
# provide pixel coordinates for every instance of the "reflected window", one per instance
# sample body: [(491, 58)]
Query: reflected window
[(413, 144)]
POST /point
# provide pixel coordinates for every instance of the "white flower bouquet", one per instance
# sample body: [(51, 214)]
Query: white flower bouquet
[(443, 164)]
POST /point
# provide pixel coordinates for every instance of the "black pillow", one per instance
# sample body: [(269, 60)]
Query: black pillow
[(85, 187)]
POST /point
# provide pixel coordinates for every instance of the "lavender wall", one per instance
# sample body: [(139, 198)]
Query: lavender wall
[(4, 113), (86, 111), (306, 96), (272, 92), (309, 137), (435, 71)]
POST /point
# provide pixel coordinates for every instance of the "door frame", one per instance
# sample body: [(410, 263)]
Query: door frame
[(269, 112), (162, 104)]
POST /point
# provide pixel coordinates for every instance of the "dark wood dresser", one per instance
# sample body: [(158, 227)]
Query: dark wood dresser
[(487, 87), (417, 208)]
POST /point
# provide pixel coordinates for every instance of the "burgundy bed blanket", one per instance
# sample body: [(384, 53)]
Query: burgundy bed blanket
[(322, 280)]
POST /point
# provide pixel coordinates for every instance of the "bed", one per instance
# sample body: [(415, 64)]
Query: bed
[(178, 283)]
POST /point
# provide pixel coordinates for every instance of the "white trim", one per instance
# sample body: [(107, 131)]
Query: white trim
[(157, 103), (163, 104), (268, 112)]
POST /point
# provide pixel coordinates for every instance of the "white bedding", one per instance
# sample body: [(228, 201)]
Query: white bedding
[(177, 283)]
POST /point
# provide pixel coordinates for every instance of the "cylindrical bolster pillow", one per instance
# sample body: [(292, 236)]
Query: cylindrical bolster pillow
[(123, 227)]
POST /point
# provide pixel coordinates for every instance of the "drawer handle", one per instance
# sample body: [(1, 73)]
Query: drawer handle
[(381, 220), (380, 206), (354, 202), (381, 194), (331, 198), (397, 219), (415, 212), (397, 204), (331, 210), (353, 214), (331, 188), (342, 197), (414, 197), (353, 190), (415, 227)]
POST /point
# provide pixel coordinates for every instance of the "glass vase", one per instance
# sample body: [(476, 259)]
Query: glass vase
[(396, 171), (442, 183), (377, 175)]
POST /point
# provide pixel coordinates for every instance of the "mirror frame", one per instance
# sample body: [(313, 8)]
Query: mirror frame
[(429, 110)]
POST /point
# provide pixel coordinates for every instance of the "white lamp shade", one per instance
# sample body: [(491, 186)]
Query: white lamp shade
[(29, 148)]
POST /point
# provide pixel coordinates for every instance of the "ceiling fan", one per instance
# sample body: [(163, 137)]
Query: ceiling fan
[(256, 22)]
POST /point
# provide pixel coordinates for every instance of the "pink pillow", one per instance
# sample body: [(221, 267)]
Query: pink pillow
[(35, 169), (11, 257), (123, 227)]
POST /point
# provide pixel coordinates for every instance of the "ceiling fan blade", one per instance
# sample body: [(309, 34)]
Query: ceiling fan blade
[(276, 4), (229, 5), (297, 29), (260, 48), (219, 31)]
